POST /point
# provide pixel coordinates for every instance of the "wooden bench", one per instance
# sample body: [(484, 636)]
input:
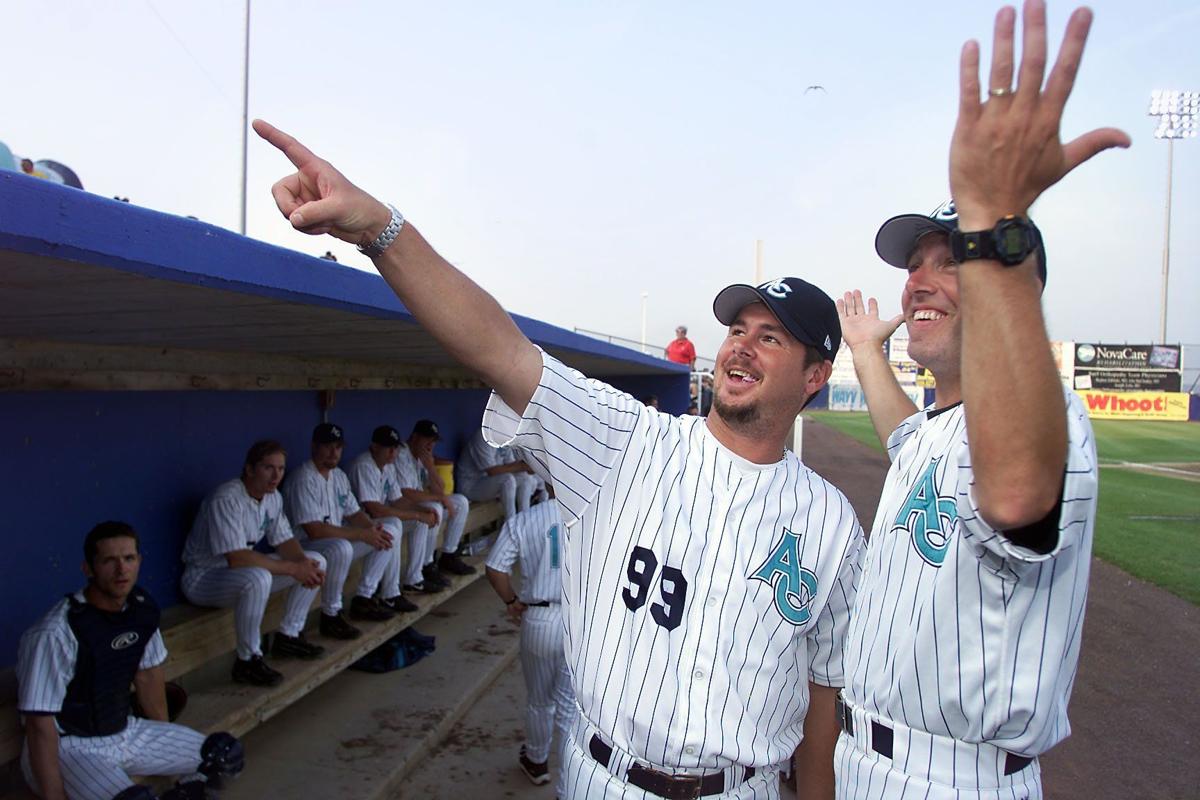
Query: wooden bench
[(197, 638)]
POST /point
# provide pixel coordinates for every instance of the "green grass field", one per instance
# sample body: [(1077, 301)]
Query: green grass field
[(1148, 525)]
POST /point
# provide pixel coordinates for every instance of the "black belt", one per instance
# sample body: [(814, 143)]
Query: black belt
[(673, 787), (882, 736), (542, 604)]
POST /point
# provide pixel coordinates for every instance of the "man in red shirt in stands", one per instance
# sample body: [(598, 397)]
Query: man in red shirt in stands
[(681, 350)]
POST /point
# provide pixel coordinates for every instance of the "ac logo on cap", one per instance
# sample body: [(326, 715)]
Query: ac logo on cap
[(777, 288)]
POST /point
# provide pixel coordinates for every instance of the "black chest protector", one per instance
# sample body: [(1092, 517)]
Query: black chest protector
[(111, 644)]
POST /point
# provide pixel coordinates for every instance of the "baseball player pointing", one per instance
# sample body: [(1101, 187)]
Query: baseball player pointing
[(707, 573), (965, 634)]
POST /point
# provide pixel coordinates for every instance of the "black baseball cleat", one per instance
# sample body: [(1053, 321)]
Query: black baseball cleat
[(424, 587), (335, 627), (400, 604), (255, 672), (450, 562), (368, 610), (296, 647), (537, 773), (432, 573)]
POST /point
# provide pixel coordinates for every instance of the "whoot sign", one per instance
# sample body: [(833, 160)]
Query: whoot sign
[(1135, 405)]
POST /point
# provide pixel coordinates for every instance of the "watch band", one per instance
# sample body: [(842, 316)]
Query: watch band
[(384, 240), (1010, 242)]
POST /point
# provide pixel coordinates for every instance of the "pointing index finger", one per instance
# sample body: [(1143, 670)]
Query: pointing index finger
[(298, 154)]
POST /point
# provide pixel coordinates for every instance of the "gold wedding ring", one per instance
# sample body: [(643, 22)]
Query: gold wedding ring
[(999, 92)]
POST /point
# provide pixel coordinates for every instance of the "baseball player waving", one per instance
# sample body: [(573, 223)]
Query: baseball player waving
[(708, 574), (965, 634)]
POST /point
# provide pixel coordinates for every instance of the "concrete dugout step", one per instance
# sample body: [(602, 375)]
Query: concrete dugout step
[(361, 734)]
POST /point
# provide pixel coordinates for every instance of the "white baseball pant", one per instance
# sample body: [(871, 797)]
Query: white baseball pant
[(550, 700), (454, 526), (247, 590), (339, 554), (98, 767)]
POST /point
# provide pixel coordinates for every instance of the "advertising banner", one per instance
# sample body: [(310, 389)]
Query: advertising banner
[(1126, 356), (1127, 380), (1135, 405)]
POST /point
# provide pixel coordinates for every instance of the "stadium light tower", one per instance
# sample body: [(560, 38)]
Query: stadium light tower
[(1177, 114)]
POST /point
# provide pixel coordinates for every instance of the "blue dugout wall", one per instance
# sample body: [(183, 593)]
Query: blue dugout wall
[(79, 271)]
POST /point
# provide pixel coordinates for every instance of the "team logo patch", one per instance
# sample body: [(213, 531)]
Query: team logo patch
[(928, 517), (795, 587), (128, 639), (342, 498), (776, 288), (266, 524)]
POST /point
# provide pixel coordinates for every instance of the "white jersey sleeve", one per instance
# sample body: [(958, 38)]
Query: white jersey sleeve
[(347, 505), (506, 550), (407, 471), (226, 521), (579, 431), (366, 479), (155, 652), (1080, 482), (827, 639), (46, 663)]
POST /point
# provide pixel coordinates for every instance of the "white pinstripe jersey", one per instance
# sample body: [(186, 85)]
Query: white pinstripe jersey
[(409, 471), (956, 630), (230, 519), (372, 484), (701, 591), (535, 538), (46, 660), (309, 497)]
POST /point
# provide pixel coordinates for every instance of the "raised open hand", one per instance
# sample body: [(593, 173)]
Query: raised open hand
[(318, 199), (861, 324), (1007, 150)]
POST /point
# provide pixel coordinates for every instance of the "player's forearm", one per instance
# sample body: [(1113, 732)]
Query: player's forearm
[(464, 319), (42, 739), (501, 584), (252, 558), (814, 756), (1015, 411), (377, 510), (150, 686), (324, 530), (419, 496), (887, 403)]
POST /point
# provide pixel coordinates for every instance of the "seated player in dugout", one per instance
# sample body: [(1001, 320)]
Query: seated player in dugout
[(74, 670), (327, 518), (489, 473), (422, 484), (240, 550), (373, 476)]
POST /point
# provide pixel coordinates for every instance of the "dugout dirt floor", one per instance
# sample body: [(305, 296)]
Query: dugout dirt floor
[(1135, 711)]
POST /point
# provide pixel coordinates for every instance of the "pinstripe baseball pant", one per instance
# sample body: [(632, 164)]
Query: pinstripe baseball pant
[(513, 492), (454, 527), (98, 767), (340, 554), (247, 590), (420, 545), (586, 779)]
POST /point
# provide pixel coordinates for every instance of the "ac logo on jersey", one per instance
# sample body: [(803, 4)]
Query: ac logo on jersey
[(795, 587), (928, 517)]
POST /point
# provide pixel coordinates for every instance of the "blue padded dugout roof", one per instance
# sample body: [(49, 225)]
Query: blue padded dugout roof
[(76, 267)]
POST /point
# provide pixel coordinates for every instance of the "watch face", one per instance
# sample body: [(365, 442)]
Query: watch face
[(1013, 240)]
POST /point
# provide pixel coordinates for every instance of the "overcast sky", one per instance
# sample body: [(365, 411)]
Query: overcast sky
[(572, 155)]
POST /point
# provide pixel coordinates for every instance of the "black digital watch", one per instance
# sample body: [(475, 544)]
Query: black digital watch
[(1010, 242)]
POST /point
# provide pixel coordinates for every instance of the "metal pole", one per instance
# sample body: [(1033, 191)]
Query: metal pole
[(758, 274), (1162, 326), (245, 118), (644, 296)]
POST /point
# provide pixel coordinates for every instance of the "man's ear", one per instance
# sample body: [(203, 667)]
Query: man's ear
[(819, 376)]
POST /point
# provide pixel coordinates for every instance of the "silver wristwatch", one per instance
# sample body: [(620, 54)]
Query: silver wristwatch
[(384, 240)]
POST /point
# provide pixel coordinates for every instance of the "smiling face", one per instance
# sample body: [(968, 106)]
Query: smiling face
[(113, 571), (930, 302), (762, 376)]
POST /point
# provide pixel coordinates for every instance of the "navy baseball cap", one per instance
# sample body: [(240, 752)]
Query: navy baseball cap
[(805, 311), (386, 436), (327, 433), (426, 427), (897, 238)]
